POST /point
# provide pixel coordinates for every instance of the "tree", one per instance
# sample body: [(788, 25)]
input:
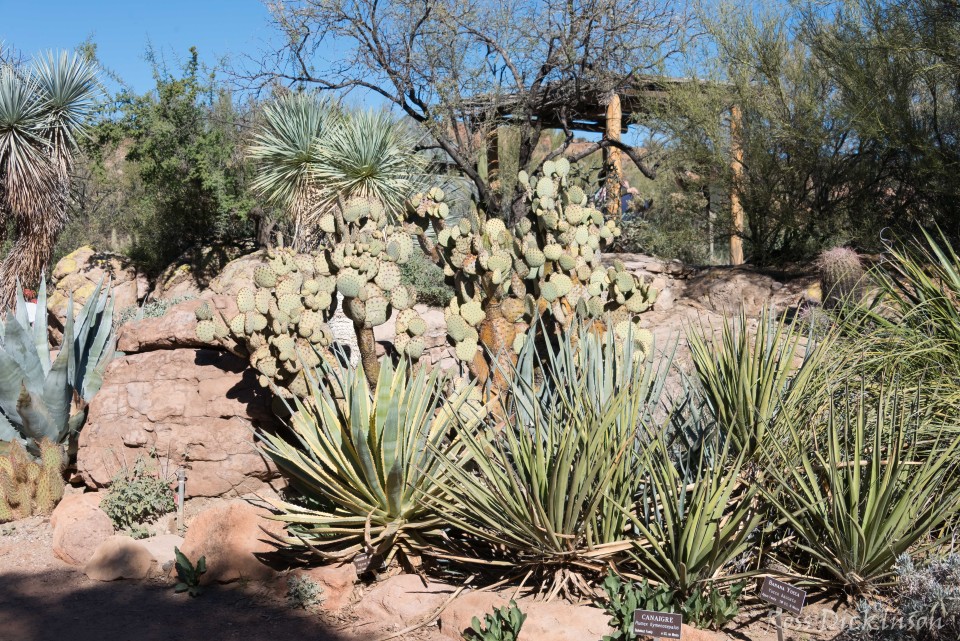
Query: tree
[(461, 68), (43, 112)]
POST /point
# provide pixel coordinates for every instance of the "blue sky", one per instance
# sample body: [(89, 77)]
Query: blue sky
[(122, 30)]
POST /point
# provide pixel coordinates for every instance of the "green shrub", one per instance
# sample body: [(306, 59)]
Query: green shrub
[(136, 496), (708, 607), (427, 279)]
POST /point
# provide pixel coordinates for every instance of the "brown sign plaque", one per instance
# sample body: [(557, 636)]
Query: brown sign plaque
[(660, 625), (782, 595)]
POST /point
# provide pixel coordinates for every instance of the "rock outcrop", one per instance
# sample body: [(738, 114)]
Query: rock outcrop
[(79, 527), (78, 274)]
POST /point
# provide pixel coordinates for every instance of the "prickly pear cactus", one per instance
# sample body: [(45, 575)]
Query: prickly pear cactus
[(283, 321), (548, 265)]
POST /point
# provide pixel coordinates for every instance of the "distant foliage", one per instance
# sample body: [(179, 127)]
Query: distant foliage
[(427, 279), (151, 309)]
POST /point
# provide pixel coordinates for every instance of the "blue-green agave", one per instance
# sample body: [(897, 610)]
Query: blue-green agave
[(37, 393)]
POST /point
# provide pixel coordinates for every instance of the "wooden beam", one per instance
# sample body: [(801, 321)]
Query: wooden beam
[(612, 160), (736, 166), (493, 159)]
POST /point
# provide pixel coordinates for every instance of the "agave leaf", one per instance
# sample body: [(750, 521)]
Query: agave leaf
[(10, 378), (18, 343), (7, 431)]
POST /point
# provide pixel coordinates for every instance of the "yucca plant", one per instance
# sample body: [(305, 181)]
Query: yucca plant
[(366, 461), (544, 483), (43, 111), (750, 378), (311, 154), (696, 514), (42, 398), (874, 480)]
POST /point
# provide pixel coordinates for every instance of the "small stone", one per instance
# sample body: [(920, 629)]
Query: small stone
[(119, 557), (79, 526)]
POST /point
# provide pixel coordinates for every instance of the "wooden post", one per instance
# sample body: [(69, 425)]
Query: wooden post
[(493, 159), (612, 161), (736, 207)]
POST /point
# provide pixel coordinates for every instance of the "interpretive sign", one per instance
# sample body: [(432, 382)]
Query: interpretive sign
[(782, 595), (660, 625)]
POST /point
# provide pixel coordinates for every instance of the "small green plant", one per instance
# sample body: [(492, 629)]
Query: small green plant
[(710, 607), (303, 593), (188, 575), (623, 599), (136, 496), (503, 625), (713, 608)]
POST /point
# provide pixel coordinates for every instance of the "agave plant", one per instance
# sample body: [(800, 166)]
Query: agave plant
[(749, 379), (545, 482), (875, 480), (42, 398), (366, 462), (43, 111)]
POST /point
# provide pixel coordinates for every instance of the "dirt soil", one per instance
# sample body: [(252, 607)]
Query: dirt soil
[(44, 599)]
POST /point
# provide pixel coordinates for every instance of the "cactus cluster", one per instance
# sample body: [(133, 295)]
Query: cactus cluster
[(283, 321), (548, 264), (29, 486)]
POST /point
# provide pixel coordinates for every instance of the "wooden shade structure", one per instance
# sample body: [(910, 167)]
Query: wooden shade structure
[(609, 113)]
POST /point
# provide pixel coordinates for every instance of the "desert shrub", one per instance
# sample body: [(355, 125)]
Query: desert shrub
[(697, 512), (367, 462), (924, 605), (872, 478), (150, 309), (427, 279), (136, 496)]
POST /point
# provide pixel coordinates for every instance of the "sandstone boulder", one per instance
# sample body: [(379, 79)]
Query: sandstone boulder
[(193, 272), (236, 274), (232, 538), (195, 408), (403, 600), (119, 557), (79, 527), (79, 272), (175, 329)]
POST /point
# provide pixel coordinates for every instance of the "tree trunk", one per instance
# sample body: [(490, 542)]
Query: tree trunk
[(367, 345)]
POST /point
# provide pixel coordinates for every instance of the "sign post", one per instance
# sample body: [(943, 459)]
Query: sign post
[(659, 625), (785, 597)]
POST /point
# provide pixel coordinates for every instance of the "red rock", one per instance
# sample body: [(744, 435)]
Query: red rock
[(78, 274), (79, 527), (403, 600), (231, 539), (119, 557), (192, 407), (176, 328), (553, 621)]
